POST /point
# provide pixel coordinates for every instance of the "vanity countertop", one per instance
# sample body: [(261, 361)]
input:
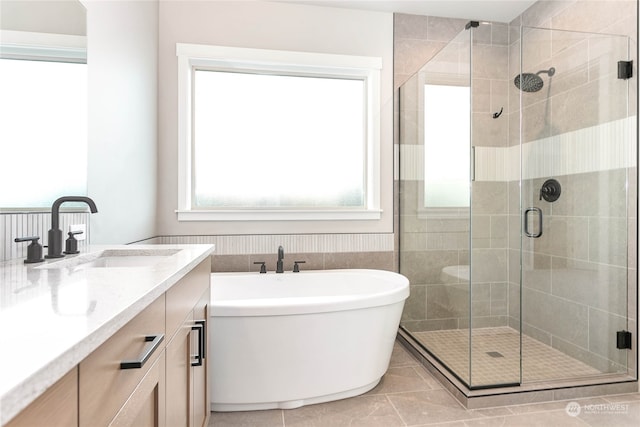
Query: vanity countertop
[(52, 318)]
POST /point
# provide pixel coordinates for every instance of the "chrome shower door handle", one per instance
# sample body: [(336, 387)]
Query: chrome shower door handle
[(526, 222)]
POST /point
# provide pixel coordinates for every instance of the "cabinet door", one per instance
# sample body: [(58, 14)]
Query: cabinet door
[(104, 386), (178, 372), (57, 407), (146, 405), (199, 390)]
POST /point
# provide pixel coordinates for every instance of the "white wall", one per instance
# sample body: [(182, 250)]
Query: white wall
[(59, 17), (278, 26), (122, 57)]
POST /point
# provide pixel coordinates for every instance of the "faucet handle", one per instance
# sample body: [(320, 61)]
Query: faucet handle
[(26, 239), (71, 244), (296, 267), (34, 250), (263, 268)]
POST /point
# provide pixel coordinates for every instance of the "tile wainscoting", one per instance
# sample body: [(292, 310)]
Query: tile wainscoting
[(319, 251)]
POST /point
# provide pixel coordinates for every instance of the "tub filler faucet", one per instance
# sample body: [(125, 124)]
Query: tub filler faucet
[(279, 264), (54, 249)]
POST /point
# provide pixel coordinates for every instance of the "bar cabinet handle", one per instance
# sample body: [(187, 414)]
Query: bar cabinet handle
[(200, 327), (155, 341)]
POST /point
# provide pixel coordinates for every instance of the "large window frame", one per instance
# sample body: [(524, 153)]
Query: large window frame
[(192, 57)]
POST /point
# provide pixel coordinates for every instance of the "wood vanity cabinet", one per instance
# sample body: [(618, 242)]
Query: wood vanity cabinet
[(186, 380), (166, 387), (105, 387), (200, 402), (146, 405), (57, 407)]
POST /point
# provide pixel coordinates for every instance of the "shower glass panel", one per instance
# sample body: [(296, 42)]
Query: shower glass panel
[(435, 203), (495, 344), (577, 151)]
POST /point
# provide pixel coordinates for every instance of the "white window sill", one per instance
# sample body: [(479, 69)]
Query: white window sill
[(278, 215)]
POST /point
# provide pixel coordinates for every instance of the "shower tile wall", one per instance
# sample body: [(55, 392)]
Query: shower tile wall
[(426, 246), (489, 197), (575, 278)]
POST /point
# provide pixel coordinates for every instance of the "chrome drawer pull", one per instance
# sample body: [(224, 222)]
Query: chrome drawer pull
[(148, 351)]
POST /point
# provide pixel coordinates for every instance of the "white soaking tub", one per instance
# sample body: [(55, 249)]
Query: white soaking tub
[(293, 339)]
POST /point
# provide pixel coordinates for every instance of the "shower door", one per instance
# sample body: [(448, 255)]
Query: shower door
[(494, 336), (577, 153)]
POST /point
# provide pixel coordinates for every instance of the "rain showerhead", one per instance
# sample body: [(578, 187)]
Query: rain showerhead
[(529, 82)]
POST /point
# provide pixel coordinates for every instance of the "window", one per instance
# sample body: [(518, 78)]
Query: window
[(273, 135), (43, 118), (446, 146)]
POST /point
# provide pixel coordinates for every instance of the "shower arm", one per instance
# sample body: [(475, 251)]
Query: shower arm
[(550, 72)]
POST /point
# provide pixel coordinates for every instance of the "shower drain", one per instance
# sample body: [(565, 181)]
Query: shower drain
[(494, 354)]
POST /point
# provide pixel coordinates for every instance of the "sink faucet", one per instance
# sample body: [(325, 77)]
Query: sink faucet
[(54, 249), (279, 266)]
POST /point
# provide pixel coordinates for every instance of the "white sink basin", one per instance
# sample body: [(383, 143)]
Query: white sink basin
[(114, 258), (122, 261)]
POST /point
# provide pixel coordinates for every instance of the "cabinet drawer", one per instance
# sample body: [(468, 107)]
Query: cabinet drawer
[(184, 295), (104, 386), (57, 407), (145, 407)]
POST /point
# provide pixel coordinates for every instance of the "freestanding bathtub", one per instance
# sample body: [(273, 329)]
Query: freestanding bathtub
[(293, 339)]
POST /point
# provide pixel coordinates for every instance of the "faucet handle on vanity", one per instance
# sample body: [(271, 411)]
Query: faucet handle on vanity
[(263, 268), (296, 267), (71, 244), (34, 250)]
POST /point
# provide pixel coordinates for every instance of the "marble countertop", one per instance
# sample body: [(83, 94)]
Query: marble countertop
[(52, 318)]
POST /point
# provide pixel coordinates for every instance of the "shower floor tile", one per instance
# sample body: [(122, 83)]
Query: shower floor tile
[(496, 356)]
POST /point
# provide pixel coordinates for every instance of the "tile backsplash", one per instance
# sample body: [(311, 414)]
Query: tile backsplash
[(318, 251), (14, 225), (298, 243)]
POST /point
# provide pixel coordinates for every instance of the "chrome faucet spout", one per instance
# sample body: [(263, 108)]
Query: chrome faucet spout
[(279, 264), (54, 249)]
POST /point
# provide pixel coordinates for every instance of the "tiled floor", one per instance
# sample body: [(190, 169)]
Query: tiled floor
[(409, 396), (539, 361)]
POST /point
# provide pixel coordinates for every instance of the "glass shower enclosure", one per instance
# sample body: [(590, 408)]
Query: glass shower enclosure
[(517, 206)]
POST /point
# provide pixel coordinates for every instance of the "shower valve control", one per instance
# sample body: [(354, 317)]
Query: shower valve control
[(550, 190)]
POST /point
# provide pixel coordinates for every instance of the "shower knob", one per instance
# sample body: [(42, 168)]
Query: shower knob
[(550, 190)]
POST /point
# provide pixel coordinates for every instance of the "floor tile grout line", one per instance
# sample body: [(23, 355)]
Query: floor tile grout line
[(566, 401), (386, 396), (608, 398)]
